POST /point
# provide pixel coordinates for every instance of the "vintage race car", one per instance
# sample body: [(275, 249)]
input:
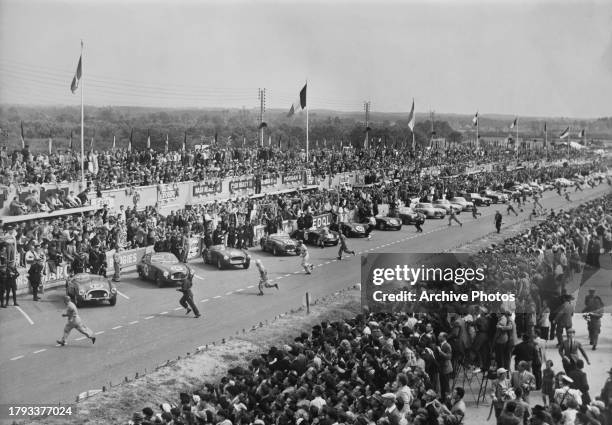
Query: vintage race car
[(465, 204), (223, 256), (85, 287), (407, 215), (352, 230), (279, 244), (446, 205), (163, 268), (479, 201), (429, 210), (388, 223), (495, 197), (321, 236)]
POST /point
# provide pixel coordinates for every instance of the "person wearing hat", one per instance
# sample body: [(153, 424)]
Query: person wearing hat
[(35, 277), (74, 322), (391, 411), (565, 393), (500, 391), (137, 418), (263, 278)]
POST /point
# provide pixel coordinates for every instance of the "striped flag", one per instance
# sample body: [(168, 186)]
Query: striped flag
[(77, 75), (475, 120), (300, 103), (514, 123), (411, 117), (565, 133), (22, 137)]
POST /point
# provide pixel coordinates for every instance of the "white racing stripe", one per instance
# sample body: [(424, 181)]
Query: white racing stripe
[(25, 315)]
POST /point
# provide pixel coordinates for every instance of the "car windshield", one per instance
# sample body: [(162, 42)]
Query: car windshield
[(164, 257)]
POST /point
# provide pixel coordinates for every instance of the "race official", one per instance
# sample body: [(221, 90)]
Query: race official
[(35, 277)]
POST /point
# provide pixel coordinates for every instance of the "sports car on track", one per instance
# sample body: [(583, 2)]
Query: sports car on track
[(352, 230), (279, 244), (465, 204), (447, 205), (388, 223), (320, 237), (495, 197), (407, 215), (429, 210), (163, 268), (85, 287), (479, 201), (223, 256)]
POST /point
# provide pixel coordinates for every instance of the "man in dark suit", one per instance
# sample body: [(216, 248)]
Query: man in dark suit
[(35, 277), (569, 351), (445, 354), (525, 351), (580, 381)]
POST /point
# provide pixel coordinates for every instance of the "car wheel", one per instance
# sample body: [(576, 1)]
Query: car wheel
[(246, 265), (113, 301), (219, 264), (159, 282), (274, 251)]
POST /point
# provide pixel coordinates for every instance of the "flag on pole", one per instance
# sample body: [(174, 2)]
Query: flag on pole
[(148, 139), (581, 134), (166, 144), (514, 123), (475, 120), (114, 142), (77, 75), (22, 137), (300, 103), (565, 133), (130, 141), (411, 117), (50, 143), (185, 141)]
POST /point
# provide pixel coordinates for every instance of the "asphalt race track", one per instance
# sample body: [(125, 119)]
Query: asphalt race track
[(148, 326)]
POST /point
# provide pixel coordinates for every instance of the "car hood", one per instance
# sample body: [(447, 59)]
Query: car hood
[(89, 281), (172, 268), (231, 252)]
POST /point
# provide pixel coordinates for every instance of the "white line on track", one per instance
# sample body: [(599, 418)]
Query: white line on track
[(164, 312), (287, 275), (327, 262), (216, 296), (80, 338), (178, 308), (17, 358), (205, 300), (296, 272), (229, 293), (252, 286), (239, 290), (134, 322), (99, 332), (25, 315), (117, 327), (39, 351), (199, 277), (149, 317), (123, 295)]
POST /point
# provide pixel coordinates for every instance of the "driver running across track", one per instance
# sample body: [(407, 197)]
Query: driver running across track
[(303, 252), (74, 322), (263, 278)]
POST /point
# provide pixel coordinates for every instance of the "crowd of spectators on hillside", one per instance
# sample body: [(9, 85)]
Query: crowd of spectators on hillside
[(405, 368), (123, 168)]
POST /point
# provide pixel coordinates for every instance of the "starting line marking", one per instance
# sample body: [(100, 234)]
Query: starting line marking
[(218, 296), (24, 314), (229, 293), (39, 351), (123, 295), (149, 317), (99, 333), (164, 312), (17, 358), (134, 322), (252, 286), (204, 300), (239, 290), (117, 327), (80, 338), (178, 308)]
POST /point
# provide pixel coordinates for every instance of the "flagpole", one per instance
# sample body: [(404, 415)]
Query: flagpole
[(516, 150), (569, 136), (307, 104), (546, 140), (477, 132), (82, 124)]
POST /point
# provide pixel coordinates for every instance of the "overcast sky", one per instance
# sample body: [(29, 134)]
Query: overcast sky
[(536, 57)]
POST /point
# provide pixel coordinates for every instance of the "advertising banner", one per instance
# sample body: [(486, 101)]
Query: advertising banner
[(48, 280), (322, 220), (128, 258), (207, 187), (267, 180), (241, 184), (194, 247), (167, 192), (295, 178)]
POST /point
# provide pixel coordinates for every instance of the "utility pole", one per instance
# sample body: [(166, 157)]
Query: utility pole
[(262, 109), (366, 108), (432, 132)]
